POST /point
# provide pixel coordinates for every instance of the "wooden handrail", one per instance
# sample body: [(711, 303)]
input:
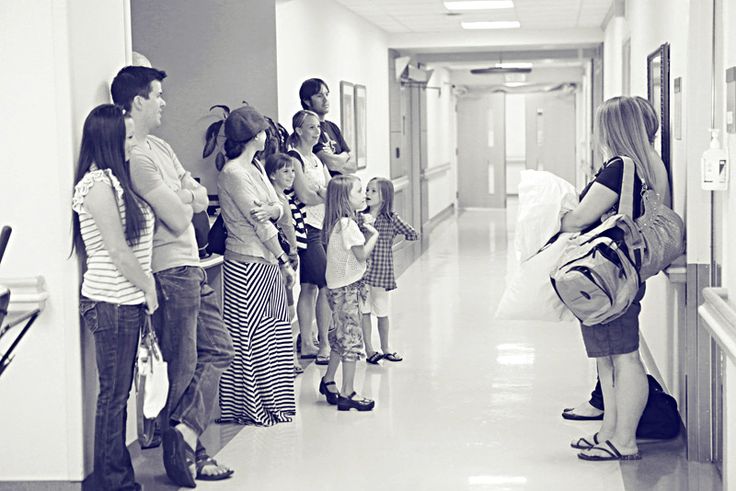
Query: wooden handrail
[(720, 319), (432, 172)]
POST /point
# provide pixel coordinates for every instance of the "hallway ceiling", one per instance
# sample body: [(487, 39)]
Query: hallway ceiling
[(427, 16)]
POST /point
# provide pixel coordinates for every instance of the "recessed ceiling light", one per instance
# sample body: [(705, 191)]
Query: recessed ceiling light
[(500, 24), (480, 5)]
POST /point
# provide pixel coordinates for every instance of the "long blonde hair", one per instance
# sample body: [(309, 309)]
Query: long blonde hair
[(620, 131), (337, 203)]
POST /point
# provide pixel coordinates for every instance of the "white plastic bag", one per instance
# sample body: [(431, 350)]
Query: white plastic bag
[(529, 294), (153, 378), (542, 197)]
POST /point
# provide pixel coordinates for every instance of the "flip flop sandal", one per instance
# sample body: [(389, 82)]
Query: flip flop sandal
[(178, 458), (612, 454), (584, 444), (392, 357), (374, 358), (568, 414), (209, 461), (322, 360)]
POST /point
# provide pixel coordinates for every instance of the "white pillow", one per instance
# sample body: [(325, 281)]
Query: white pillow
[(542, 197), (529, 294)]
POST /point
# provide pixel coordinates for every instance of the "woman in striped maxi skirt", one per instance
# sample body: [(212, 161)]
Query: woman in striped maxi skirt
[(258, 387)]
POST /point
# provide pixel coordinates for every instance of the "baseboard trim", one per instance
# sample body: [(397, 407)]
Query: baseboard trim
[(40, 486), (438, 218)]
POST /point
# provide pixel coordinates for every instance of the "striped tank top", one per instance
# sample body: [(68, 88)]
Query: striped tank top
[(102, 280), (297, 218)]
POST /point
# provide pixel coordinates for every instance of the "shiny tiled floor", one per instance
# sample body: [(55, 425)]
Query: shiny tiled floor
[(474, 406)]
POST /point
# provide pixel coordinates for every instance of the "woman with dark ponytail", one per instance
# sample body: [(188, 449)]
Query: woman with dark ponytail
[(115, 229), (258, 387)]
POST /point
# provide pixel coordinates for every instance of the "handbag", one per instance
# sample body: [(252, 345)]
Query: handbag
[(217, 236), (657, 237), (201, 223), (152, 377)]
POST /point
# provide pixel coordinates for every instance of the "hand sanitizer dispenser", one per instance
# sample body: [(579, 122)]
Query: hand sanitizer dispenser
[(714, 166)]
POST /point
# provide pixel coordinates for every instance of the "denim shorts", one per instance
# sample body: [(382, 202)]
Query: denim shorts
[(313, 259), (617, 337)]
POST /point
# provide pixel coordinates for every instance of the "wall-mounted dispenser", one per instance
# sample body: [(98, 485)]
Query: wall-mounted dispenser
[(714, 166)]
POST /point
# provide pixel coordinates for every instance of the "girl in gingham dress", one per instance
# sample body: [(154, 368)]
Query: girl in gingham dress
[(347, 252), (380, 276)]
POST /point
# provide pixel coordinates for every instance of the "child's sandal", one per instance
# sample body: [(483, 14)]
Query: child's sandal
[(374, 358), (392, 357)]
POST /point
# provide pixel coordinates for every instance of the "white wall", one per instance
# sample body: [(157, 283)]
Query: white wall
[(616, 33), (441, 141), (214, 52), (323, 39), (48, 390)]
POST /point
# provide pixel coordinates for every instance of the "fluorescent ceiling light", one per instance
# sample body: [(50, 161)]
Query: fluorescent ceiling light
[(516, 84), (501, 24), (515, 65), (480, 5)]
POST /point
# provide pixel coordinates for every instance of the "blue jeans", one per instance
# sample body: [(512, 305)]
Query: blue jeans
[(194, 342), (116, 330)]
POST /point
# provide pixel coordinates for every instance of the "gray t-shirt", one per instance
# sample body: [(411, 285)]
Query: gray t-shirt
[(152, 165)]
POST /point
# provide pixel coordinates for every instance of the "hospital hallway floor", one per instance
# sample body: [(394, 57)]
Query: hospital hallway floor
[(475, 405)]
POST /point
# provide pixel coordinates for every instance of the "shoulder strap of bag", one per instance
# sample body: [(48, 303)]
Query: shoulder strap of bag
[(626, 198), (297, 156), (626, 207)]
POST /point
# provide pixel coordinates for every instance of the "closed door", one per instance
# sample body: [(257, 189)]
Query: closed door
[(481, 157)]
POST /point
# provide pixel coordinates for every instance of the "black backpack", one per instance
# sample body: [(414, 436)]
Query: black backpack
[(660, 419)]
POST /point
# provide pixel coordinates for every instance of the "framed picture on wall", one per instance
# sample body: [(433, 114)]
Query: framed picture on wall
[(347, 113), (360, 151)]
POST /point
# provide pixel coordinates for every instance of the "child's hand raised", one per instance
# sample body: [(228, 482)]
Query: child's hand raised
[(368, 219)]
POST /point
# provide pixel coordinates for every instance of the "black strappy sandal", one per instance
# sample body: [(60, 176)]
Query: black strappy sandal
[(348, 403), (331, 397)]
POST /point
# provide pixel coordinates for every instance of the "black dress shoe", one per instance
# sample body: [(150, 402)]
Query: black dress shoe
[(348, 403), (568, 413), (332, 397)]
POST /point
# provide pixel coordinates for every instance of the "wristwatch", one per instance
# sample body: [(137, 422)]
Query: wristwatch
[(283, 259)]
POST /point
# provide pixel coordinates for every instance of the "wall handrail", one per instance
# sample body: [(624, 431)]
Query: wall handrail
[(435, 171), (401, 183), (720, 319)]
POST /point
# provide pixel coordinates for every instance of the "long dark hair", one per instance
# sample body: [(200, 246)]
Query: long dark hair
[(103, 144)]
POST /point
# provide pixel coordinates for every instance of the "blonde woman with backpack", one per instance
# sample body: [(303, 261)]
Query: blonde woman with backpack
[(620, 131)]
